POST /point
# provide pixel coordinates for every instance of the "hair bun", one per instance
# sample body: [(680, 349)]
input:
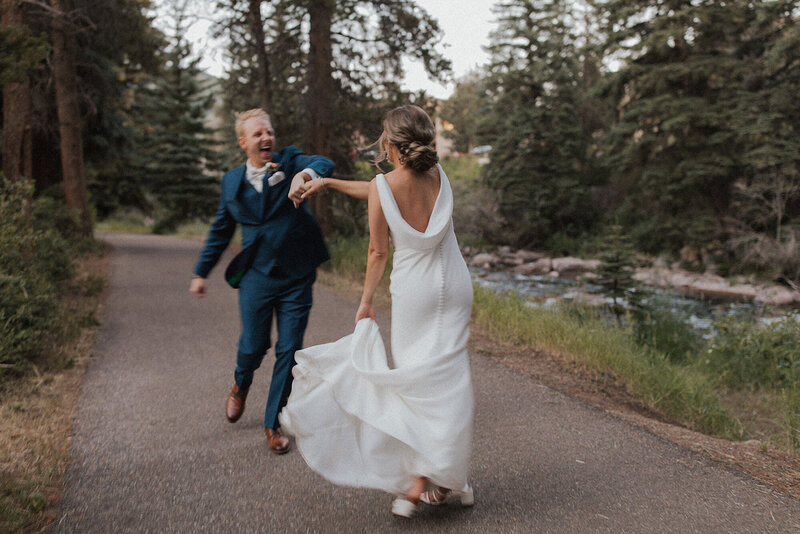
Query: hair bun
[(420, 157)]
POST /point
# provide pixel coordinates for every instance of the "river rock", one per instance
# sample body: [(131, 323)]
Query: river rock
[(484, 259), (528, 256), (778, 296), (511, 260), (525, 269), (574, 265), (542, 265)]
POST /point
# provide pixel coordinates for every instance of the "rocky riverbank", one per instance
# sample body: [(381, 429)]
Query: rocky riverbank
[(529, 263)]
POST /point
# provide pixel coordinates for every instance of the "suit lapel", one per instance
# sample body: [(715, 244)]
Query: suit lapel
[(234, 196)]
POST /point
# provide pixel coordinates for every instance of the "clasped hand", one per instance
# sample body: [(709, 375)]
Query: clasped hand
[(303, 187)]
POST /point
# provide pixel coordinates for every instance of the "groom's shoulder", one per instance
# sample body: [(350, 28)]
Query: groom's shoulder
[(233, 173), (288, 152)]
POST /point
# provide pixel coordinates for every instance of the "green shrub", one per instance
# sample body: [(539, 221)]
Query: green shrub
[(36, 251), (27, 310), (746, 354), (666, 332), (585, 336)]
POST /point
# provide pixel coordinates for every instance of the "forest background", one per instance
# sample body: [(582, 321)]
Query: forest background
[(645, 128)]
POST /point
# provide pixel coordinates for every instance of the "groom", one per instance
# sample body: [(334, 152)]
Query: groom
[(282, 246)]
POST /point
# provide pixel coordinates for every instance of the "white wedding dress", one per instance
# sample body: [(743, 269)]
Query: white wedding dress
[(358, 422)]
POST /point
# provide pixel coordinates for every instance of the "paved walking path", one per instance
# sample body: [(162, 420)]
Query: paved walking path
[(153, 452)]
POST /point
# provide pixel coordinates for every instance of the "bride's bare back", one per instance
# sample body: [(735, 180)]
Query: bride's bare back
[(415, 194)]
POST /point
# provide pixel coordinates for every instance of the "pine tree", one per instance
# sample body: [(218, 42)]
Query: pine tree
[(463, 110), (616, 269), (765, 231), (673, 152), (178, 162), (537, 162)]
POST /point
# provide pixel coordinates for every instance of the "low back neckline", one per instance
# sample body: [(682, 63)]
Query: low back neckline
[(435, 204)]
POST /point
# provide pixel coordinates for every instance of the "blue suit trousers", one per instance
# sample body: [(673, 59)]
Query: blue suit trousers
[(289, 300)]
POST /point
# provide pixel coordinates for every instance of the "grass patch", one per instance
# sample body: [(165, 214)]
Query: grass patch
[(758, 367), (131, 222), (36, 413), (464, 169), (347, 266), (585, 337)]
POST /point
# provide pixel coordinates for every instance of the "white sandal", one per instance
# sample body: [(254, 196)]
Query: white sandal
[(403, 507), (438, 496)]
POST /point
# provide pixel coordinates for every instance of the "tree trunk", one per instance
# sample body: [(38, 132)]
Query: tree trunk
[(69, 121), (320, 97), (257, 33), (16, 150)]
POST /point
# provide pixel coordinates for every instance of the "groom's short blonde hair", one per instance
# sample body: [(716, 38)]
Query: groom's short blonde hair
[(243, 116)]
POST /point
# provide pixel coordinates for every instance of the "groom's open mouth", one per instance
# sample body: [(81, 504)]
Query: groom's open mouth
[(265, 150)]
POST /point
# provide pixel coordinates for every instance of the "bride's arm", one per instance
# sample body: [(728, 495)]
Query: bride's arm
[(355, 188), (377, 254)]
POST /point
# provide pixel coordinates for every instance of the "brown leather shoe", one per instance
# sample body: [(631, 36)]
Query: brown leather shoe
[(278, 443), (234, 406)]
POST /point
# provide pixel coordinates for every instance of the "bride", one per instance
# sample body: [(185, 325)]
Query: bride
[(405, 429)]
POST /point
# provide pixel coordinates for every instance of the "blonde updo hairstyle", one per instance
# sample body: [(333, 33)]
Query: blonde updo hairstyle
[(410, 129)]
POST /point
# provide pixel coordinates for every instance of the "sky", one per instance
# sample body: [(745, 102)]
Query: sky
[(465, 24)]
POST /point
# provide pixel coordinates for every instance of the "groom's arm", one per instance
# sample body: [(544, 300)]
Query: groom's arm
[(219, 236), (319, 165), (313, 168)]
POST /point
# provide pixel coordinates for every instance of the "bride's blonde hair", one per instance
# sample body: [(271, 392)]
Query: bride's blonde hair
[(411, 130)]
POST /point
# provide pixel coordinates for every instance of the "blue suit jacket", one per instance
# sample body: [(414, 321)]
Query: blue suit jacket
[(289, 236)]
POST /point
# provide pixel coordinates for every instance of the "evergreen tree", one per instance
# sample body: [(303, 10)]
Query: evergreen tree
[(673, 152), (765, 232), (616, 269), (110, 41), (464, 110), (178, 163), (538, 153), (368, 40)]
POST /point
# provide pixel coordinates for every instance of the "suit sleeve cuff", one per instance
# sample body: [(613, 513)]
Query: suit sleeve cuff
[(312, 173)]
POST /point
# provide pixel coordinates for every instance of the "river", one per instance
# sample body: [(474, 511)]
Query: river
[(699, 312)]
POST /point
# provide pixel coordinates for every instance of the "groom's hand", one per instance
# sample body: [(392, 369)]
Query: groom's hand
[(297, 188), (198, 287)]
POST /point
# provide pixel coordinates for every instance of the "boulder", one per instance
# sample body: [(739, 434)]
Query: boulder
[(723, 289), (574, 265), (778, 296), (542, 265), (528, 256), (511, 260), (484, 259), (525, 269)]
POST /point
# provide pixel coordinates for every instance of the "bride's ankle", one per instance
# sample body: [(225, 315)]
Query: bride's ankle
[(416, 489)]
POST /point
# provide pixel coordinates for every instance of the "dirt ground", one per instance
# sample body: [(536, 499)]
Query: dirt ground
[(779, 469)]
